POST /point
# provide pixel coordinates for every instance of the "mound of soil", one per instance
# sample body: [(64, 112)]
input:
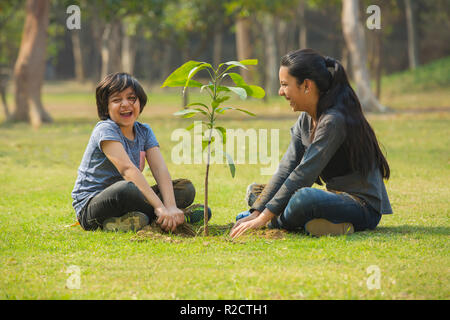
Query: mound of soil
[(154, 232), (270, 233), (150, 235)]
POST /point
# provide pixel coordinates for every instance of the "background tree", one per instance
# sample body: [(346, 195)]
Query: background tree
[(11, 24), (355, 40), (190, 26), (268, 17), (412, 34), (154, 36), (303, 31), (30, 65)]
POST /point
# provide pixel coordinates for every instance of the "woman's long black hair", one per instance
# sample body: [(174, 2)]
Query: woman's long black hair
[(361, 144)]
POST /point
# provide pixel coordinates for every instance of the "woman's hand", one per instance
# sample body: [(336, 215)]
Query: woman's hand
[(169, 218), (258, 222), (252, 216)]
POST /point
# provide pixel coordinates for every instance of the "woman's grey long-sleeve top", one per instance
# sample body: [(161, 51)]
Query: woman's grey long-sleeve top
[(305, 161)]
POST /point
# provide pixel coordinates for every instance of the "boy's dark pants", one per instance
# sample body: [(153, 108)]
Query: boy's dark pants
[(123, 197)]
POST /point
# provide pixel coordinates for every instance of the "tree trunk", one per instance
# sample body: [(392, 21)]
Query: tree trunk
[(217, 45), (115, 47), (5, 103), (354, 38), (345, 58), (412, 35), (30, 65), (243, 43), (378, 65), (4, 77), (128, 51), (282, 32), (270, 51), (111, 58), (105, 51), (98, 28), (302, 37), (77, 55), (166, 60)]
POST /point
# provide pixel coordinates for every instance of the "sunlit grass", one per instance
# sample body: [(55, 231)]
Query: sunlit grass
[(38, 171)]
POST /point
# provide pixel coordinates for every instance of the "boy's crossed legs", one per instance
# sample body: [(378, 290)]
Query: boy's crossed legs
[(123, 199)]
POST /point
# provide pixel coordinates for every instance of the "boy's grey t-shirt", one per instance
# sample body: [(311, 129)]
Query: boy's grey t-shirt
[(96, 172)]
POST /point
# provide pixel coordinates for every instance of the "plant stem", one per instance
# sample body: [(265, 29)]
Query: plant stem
[(205, 212), (211, 119)]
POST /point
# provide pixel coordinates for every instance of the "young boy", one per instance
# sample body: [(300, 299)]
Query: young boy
[(110, 191)]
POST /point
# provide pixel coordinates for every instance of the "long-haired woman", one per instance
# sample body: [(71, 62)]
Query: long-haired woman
[(332, 143)]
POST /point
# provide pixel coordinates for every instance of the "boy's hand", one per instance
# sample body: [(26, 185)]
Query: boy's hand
[(178, 213), (169, 218)]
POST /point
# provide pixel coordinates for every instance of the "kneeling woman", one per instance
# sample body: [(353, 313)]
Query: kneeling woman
[(331, 142)]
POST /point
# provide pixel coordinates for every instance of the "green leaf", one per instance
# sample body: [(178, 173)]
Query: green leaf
[(218, 101), (198, 104), (223, 132), (187, 113), (194, 70), (182, 82), (223, 99), (233, 64), (179, 76), (245, 111), (249, 62), (205, 142), (252, 91), (256, 92), (222, 110), (231, 164), (202, 111), (221, 89), (242, 64), (237, 79), (239, 91), (189, 127), (210, 86)]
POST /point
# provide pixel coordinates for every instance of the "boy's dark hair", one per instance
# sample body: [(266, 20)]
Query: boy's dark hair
[(117, 82)]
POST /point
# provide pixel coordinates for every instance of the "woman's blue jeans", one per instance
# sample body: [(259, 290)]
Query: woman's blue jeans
[(337, 207)]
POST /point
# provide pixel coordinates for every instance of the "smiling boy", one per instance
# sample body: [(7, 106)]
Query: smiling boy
[(111, 192)]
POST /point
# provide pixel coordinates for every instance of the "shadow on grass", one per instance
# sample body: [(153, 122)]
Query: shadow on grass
[(387, 231), (153, 232)]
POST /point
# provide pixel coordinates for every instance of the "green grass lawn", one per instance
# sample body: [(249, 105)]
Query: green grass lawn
[(426, 87), (38, 171)]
